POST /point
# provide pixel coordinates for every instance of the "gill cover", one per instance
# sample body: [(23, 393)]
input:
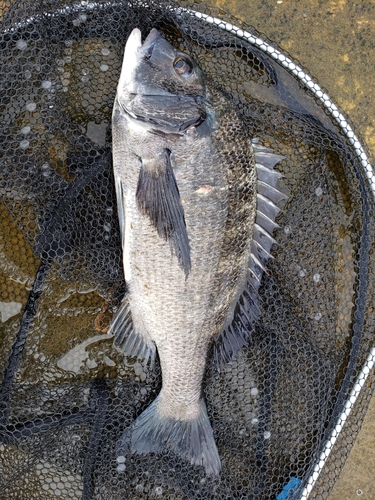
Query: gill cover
[(160, 86)]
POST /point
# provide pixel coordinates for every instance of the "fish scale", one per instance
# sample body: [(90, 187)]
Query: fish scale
[(186, 182)]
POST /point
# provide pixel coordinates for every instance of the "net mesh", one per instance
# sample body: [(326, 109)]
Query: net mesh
[(67, 394)]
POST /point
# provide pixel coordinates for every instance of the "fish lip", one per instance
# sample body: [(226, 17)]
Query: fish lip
[(149, 43)]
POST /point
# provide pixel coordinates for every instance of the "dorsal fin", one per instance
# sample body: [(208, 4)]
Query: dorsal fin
[(270, 192), (268, 175), (267, 208), (237, 330)]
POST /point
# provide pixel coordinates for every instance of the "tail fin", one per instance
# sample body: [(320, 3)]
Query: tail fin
[(190, 439)]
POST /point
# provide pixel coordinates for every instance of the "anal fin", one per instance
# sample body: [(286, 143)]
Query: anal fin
[(127, 338)]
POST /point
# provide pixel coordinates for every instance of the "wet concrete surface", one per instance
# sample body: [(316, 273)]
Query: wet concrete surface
[(335, 42)]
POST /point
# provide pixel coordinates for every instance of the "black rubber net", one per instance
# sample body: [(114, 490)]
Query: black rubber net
[(67, 394)]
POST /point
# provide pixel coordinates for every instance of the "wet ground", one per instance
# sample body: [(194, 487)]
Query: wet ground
[(334, 41)]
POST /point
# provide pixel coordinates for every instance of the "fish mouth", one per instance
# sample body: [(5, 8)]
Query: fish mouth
[(149, 43)]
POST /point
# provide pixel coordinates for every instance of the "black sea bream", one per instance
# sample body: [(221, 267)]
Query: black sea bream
[(197, 202)]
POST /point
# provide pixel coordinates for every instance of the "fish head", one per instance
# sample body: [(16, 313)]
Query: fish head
[(159, 85)]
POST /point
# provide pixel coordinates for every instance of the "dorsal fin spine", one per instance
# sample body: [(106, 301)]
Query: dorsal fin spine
[(237, 330)]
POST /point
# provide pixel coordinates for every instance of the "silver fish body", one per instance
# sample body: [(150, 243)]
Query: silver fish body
[(186, 182)]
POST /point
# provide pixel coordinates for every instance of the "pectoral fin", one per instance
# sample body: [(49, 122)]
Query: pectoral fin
[(158, 198)]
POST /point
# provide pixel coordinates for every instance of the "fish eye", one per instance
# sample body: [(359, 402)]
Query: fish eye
[(183, 66)]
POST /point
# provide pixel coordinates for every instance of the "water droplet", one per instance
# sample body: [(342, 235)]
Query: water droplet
[(120, 459), (107, 227), (316, 277), (91, 363), (46, 84), (82, 18), (27, 74), (31, 106), (25, 130), (267, 434), (121, 468), (104, 67), (108, 361), (21, 44), (46, 169), (158, 491), (138, 368), (76, 22), (105, 52), (68, 43), (85, 79), (24, 144), (287, 229), (85, 71), (302, 273), (255, 421), (254, 391), (319, 191), (317, 316)]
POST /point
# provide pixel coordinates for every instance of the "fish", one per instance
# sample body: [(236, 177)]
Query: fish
[(197, 200)]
